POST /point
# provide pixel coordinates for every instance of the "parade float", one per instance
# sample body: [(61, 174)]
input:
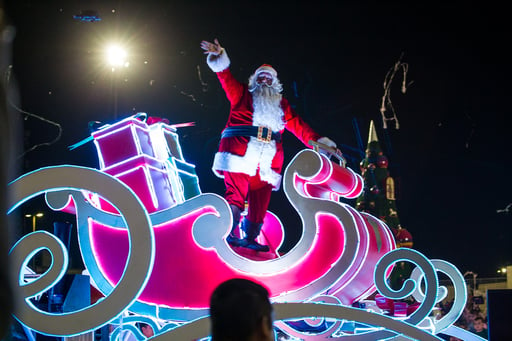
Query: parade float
[(154, 247)]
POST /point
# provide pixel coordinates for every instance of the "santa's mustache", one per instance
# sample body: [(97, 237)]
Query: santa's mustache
[(265, 91)]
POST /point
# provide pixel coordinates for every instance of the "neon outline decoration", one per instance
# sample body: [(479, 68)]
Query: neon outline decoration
[(133, 280), (313, 186), (275, 267), (247, 266), (187, 328)]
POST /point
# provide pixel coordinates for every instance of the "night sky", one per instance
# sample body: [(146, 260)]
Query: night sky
[(450, 156)]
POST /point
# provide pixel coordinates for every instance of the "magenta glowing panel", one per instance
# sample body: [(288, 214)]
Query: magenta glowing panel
[(208, 232), (337, 251), (185, 272), (164, 258)]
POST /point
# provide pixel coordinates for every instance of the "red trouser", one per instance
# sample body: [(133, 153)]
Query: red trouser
[(241, 187)]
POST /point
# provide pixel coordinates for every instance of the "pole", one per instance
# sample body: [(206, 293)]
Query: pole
[(113, 90)]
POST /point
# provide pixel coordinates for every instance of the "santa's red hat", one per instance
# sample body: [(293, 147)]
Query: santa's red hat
[(266, 68)]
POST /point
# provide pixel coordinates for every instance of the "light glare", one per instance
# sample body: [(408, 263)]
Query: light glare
[(38, 215), (116, 56)]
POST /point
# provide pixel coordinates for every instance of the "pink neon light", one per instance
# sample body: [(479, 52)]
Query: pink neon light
[(360, 258), (144, 176), (122, 141), (185, 274), (362, 284), (331, 182)]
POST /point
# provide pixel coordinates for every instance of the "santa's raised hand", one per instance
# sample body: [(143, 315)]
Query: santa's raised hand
[(211, 48)]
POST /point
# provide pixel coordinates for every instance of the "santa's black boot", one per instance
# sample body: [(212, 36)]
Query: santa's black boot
[(252, 230), (232, 239)]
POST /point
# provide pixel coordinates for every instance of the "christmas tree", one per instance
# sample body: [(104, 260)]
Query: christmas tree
[(379, 200)]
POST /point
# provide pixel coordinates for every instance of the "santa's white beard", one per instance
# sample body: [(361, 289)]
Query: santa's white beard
[(267, 108)]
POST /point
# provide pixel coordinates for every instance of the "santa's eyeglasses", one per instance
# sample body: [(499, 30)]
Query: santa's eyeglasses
[(264, 78)]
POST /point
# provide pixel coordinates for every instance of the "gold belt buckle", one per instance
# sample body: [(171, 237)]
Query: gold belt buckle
[(260, 137)]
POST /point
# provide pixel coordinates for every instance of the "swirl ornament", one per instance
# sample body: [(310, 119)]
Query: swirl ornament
[(293, 311), (337, 252), (136, 260), (138, 264), (459, 286), (409, 286)]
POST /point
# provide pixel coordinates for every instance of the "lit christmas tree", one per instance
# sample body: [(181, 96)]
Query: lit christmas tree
[(379, 200)]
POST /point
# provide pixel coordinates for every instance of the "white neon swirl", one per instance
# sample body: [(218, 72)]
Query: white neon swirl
[(409, 286), (199, 329), (26, 248), (460, 296), (139, 262)]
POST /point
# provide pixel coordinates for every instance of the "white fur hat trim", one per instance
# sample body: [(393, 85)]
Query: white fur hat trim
[(266, 68)]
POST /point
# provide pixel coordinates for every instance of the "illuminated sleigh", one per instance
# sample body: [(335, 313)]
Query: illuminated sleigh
[(155, 245), (336, 254)]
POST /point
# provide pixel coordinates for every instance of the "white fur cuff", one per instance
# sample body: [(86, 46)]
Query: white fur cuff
[(327, 141), (219, 62)]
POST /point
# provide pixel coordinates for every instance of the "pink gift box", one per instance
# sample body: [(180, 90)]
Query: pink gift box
[(148, 178), (123, 140)]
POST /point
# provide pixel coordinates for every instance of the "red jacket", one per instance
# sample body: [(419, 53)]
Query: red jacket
[(245, 154)]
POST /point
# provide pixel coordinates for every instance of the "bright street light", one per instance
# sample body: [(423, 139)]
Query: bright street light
[(116, 57), (34, 217)]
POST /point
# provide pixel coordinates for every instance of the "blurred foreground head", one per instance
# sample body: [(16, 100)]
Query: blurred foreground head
[(240, 310)]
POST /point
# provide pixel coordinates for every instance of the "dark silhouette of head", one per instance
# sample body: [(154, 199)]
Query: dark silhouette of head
[(145, 329), (241, 310)]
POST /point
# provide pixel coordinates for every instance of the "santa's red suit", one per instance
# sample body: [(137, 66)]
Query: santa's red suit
[(251, 166)]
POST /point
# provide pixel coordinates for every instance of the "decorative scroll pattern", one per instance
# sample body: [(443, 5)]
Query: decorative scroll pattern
[(61, 182), (138, 264)]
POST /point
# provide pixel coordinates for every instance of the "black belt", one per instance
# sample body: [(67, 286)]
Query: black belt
[(263, 134)]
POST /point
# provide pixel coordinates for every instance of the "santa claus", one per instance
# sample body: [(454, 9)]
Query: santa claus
[(250, 156)]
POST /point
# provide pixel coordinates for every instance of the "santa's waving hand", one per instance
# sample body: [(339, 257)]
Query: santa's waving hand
[(211, 48)]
